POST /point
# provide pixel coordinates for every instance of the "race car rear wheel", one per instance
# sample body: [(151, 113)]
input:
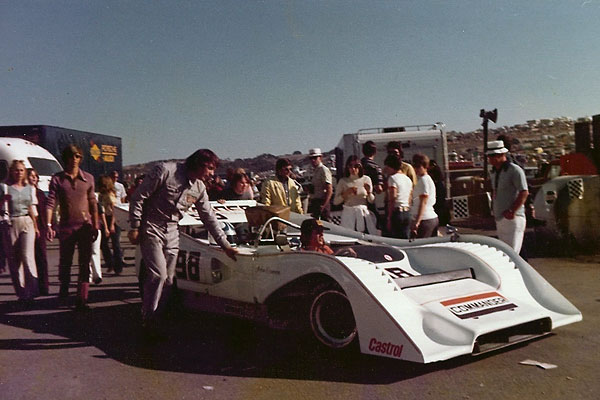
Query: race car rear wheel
[(331, 319)]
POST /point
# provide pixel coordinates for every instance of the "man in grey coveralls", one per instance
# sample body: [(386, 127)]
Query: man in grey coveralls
[(154, 212)]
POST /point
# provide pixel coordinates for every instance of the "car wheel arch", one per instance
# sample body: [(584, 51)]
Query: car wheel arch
[(302, 286), (292, 301), (306, 300)]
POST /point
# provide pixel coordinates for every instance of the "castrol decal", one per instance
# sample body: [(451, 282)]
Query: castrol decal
[(477, 305), (386, 348)]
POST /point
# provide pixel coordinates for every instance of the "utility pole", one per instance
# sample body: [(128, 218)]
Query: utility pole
[(492, 116)]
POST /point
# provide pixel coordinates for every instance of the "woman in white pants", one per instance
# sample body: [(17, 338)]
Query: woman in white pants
[(95, 263), (19, 199), (354, 190)]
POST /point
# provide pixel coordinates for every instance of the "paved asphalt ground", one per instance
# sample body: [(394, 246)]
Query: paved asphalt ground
[(49, 352)]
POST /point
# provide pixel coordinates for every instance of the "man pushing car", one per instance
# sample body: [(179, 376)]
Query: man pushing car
[(155, 209)]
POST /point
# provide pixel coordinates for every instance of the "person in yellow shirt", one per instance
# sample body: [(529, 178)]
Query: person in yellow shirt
[(395, 147), (281, 190)]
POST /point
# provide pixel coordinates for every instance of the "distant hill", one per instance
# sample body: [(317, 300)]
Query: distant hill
[(261, 165), (535, 141)]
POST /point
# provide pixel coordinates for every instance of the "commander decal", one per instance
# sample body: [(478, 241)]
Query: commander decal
[(477, 305)]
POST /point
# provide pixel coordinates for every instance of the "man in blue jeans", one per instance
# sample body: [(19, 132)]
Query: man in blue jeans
[(116, 256)]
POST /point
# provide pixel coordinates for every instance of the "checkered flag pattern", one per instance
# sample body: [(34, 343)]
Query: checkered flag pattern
[(575, 188), (460, 207), (336, 217)]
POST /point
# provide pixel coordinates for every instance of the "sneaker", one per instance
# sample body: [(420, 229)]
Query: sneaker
[(97, 280)]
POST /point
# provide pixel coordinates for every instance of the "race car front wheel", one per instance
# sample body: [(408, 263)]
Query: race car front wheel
[(332, 320)]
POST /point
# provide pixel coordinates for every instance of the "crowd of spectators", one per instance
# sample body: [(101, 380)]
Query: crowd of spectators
[(414, 193)]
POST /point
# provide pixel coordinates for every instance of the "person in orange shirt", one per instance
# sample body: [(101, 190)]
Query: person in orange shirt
[(311, 236)]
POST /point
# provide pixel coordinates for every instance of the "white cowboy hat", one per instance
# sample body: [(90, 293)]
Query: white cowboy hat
[(495, 147), (316, 152)]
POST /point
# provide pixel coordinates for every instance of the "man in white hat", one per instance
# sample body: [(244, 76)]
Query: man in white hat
[(318, 203), (509, 190)]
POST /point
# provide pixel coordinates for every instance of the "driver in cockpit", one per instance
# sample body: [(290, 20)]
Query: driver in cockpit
[(311, 236)]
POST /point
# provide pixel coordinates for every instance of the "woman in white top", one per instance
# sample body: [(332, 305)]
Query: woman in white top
[(399, 188), (424, 219), (354, 190)]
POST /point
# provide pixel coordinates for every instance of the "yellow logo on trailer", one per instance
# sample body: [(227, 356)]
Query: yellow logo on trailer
[(109, 152), (95, 152)]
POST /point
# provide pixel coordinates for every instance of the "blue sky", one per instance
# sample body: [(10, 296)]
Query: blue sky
[(251, 77)]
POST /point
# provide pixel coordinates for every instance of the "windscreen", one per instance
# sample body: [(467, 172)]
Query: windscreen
[(377, 254), (45, 166)]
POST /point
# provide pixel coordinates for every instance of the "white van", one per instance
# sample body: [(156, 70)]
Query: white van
[(32, 155)]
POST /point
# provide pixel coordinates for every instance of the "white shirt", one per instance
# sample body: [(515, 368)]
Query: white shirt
[(360, 198), (403, 185), (426, 186), (120, 192)]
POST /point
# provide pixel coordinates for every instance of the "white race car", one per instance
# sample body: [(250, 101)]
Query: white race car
[(423, 301)]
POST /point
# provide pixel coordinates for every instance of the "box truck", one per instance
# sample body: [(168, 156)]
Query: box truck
[(102, 154)]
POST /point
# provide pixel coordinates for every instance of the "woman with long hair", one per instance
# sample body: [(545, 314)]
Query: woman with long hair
[(19, 198), (354, 191), (41, 253), (107, 198), (440, 207), (238, 187)]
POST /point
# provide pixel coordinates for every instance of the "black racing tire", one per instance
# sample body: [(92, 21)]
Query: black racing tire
[(331, 319)]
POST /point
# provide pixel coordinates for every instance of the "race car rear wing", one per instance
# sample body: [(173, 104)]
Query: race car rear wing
[(430, 279)]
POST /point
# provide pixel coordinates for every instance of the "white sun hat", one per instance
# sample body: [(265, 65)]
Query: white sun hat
[(495, 147)]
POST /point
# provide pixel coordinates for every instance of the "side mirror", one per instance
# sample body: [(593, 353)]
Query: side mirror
[(453, 231)]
